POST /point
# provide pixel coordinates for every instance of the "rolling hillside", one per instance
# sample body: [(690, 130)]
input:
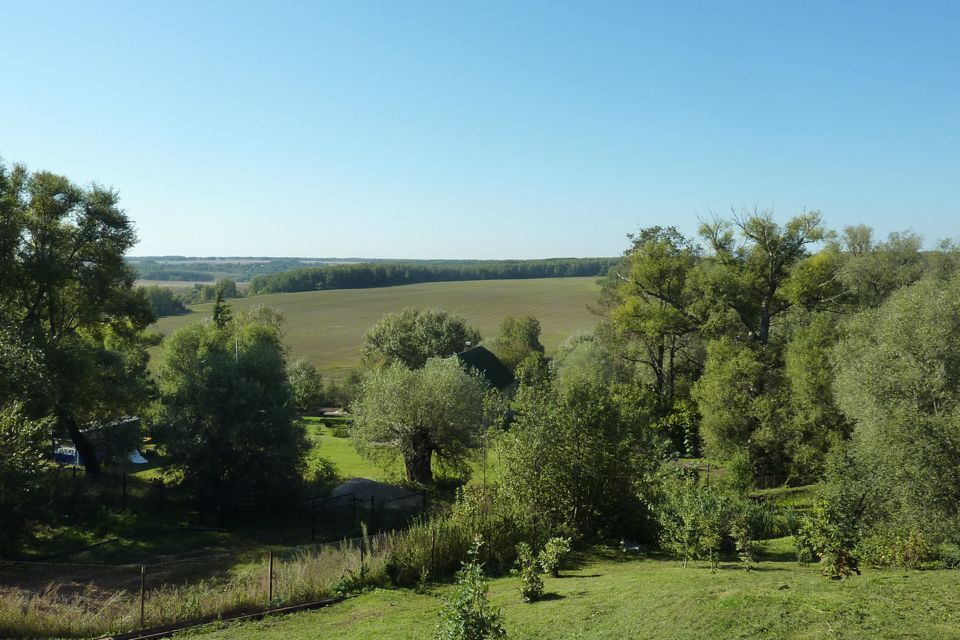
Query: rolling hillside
[(327, 326)]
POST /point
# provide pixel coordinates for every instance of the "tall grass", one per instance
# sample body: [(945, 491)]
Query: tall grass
[(299, 576)]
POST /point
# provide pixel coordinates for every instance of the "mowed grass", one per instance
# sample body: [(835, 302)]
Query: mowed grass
[(342, 453), (611, 597), (327, 327), (350, 464)]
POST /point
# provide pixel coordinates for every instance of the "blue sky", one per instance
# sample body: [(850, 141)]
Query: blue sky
[(485, 130)]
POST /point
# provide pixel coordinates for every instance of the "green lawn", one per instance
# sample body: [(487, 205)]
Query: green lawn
[(327, 326), (342, 453), (610, 597)]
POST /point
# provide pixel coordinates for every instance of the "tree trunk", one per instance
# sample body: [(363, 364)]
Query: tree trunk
[(417, 462), (84, 448)]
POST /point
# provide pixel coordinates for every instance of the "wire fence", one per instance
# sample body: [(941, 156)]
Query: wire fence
[(325, 518), (59, 596), (337, 516), (58, 599)]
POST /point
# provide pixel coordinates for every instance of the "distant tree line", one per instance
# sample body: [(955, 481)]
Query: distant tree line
[(208, 270), (361, 276)]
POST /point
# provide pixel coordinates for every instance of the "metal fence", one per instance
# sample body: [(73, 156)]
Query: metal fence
[(61, 599), (339, 516)]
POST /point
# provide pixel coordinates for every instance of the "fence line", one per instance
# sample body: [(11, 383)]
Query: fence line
[(78, 599)]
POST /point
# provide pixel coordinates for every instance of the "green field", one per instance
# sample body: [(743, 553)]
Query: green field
[(615, 597), (327, 327)]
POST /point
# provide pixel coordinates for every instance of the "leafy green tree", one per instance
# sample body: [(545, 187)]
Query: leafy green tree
[(554, 554), (531, 582), (67, 288), (651, 306), (816, 423), (746, 286), (693, 520), (874, 270), (225, 416), (416, 414), (413, 336), (572, 439), (307, 385), (728, 396), (898, 382), (24, 435), (163, 301), (221, 312), (519, 338)]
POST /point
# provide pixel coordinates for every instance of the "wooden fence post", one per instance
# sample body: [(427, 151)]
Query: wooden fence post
[(270, 580), (143, 590)]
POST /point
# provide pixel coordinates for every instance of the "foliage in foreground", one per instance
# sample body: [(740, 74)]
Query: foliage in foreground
[(63, 611), (466, 613)]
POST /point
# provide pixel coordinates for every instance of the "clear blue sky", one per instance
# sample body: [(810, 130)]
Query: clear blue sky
[(485, 129)]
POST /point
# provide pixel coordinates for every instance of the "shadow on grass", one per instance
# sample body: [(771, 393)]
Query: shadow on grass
[(548, 597), (777, 556)]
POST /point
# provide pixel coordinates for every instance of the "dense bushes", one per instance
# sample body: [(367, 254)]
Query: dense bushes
[(699, 522), (439, 544)]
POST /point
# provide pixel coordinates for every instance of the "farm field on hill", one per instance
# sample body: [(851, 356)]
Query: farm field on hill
[(327, 327), (613, 597)]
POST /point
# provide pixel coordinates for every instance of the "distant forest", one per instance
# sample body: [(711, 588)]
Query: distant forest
[(241, 269), (384, 274)]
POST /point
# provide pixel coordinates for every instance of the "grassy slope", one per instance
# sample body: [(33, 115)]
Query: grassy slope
[(327, 326), (660, 599)]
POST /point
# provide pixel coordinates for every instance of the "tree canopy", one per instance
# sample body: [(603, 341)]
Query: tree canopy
[(898, 381), (226, 411), (519, 338), (413, 336), (437, 411), (67, 288)]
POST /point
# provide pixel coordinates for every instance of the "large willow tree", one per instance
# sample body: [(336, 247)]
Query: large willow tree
[(66, 288)]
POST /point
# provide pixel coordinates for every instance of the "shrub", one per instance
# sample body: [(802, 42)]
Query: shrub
[(742, 538), (950, 556), (341, 432), (440, 544), (890, 546), (437, 546), (466, 613), (693, 521), (553, 554), (321, 470), (833, 535), (803, 542), (531, 584), (487, 509)]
